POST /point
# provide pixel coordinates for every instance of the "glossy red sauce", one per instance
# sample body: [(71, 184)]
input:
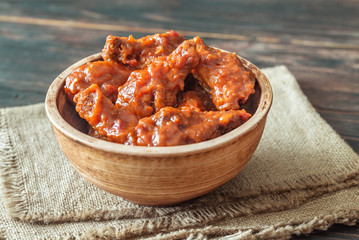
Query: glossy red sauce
[(156, 86), (224, 75), (174, 126), (107, 75), (138, 53), (144, 93)]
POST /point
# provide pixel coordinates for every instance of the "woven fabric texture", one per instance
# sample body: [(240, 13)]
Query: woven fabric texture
[(303, 176)]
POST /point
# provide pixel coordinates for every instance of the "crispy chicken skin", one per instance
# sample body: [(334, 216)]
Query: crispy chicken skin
[(138, 53)]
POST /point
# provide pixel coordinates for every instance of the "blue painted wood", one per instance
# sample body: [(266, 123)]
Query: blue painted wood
[(317, 40)]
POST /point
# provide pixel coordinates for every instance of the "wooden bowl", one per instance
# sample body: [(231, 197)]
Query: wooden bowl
[(156, 176)]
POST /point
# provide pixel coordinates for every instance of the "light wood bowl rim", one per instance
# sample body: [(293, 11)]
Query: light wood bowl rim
[(65, 128)]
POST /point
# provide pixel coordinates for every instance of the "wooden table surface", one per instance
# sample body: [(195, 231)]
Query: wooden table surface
[(317, 40)]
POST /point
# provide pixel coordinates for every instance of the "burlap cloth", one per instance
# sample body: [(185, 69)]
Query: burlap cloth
[(302, 177)]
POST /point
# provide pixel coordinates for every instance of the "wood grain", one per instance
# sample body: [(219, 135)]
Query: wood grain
[(29, 85), (317, 40)]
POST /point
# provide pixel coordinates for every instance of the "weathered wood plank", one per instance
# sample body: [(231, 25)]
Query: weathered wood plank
[(227, 16), (303, 23), (354, 143), (57, 48), (346, 124), (317, 40), (327, 76), (300, 40), (329, 86), (337, 231)]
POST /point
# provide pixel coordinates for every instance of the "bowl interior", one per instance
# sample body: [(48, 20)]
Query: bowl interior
[(69, 114), (64, 117)]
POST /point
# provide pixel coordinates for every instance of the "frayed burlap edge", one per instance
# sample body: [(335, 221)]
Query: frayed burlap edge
[(17, 207), (11, 180), (233, 206), (197, 222), (2, 234), (279, 231)]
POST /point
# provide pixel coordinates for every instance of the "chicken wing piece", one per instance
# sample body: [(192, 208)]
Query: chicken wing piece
[(224, 75), (197, 100), (107, 75), (147, 91), (172, 126), (195, 97), (138, 53), (191, 100), (114, 124)]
